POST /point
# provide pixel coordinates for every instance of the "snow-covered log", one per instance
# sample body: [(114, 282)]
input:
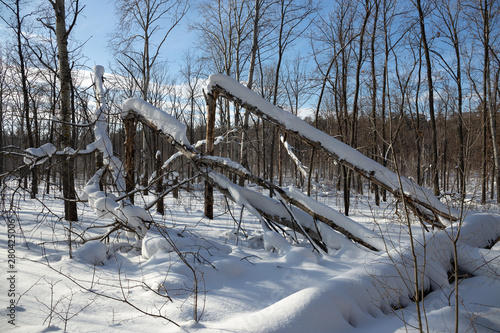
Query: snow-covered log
[(415, 194), (39, 155)]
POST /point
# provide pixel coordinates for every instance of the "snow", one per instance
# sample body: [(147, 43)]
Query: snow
[(480, 261), (161, 120), (197, 145), (225, 161), (244, 287), (36, 155), (93, 253), (478, 228), (102, 141), (256, 202), (295, 159)]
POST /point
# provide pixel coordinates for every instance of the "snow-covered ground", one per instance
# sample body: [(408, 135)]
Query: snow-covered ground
[(240, 281)]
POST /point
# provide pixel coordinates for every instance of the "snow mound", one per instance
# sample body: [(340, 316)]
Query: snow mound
[(298, 255), (275, 242), (93, 252), (479, 228), (155, 242)]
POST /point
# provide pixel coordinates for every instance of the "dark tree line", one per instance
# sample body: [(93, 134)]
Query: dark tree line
[(413, 83)]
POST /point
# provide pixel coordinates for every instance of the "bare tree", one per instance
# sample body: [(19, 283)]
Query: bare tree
[(17, 25), (355, 108), (293, 19), (143, 29), (142, 50), (374, 86), (253, 54), (450, 15), (430, 86), (487, 9), (192, 72), (336, 33)]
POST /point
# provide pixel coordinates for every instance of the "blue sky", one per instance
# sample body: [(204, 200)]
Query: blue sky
[(98, 21), (95, 24)]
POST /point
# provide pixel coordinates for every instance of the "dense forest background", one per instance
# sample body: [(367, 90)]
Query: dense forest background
[(414, 83)]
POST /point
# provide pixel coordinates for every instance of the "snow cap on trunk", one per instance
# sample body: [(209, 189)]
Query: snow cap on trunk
[(159, 118)]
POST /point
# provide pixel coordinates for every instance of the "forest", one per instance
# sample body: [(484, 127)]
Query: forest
[(346, 149)]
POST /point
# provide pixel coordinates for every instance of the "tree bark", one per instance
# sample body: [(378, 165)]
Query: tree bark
[(67, 166), (159, 185), (209, 148), (130, 131)]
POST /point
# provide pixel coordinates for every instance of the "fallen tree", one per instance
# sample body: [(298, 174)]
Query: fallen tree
[(421, 200)]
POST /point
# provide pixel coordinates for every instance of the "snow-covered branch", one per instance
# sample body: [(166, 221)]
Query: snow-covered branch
[(105, 204), (375, 172), (295, 159)]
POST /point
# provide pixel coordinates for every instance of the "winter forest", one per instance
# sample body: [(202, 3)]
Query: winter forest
[(300, 166)]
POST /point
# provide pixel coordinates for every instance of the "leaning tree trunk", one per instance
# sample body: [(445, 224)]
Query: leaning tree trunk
[(418, 197)]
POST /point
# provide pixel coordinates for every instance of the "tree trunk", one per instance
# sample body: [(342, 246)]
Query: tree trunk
[(145, 160), (434, 152), (484, 154), (130, 131), (209, 148), (24, 88), (375, 187), (385, 88), (488, 102), (67, 166), (1, 128), (461, 156), (2, 92), (159, 185), (253, 54), (418, 196)]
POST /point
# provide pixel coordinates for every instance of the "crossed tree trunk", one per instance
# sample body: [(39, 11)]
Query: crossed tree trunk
[(419, 199)]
